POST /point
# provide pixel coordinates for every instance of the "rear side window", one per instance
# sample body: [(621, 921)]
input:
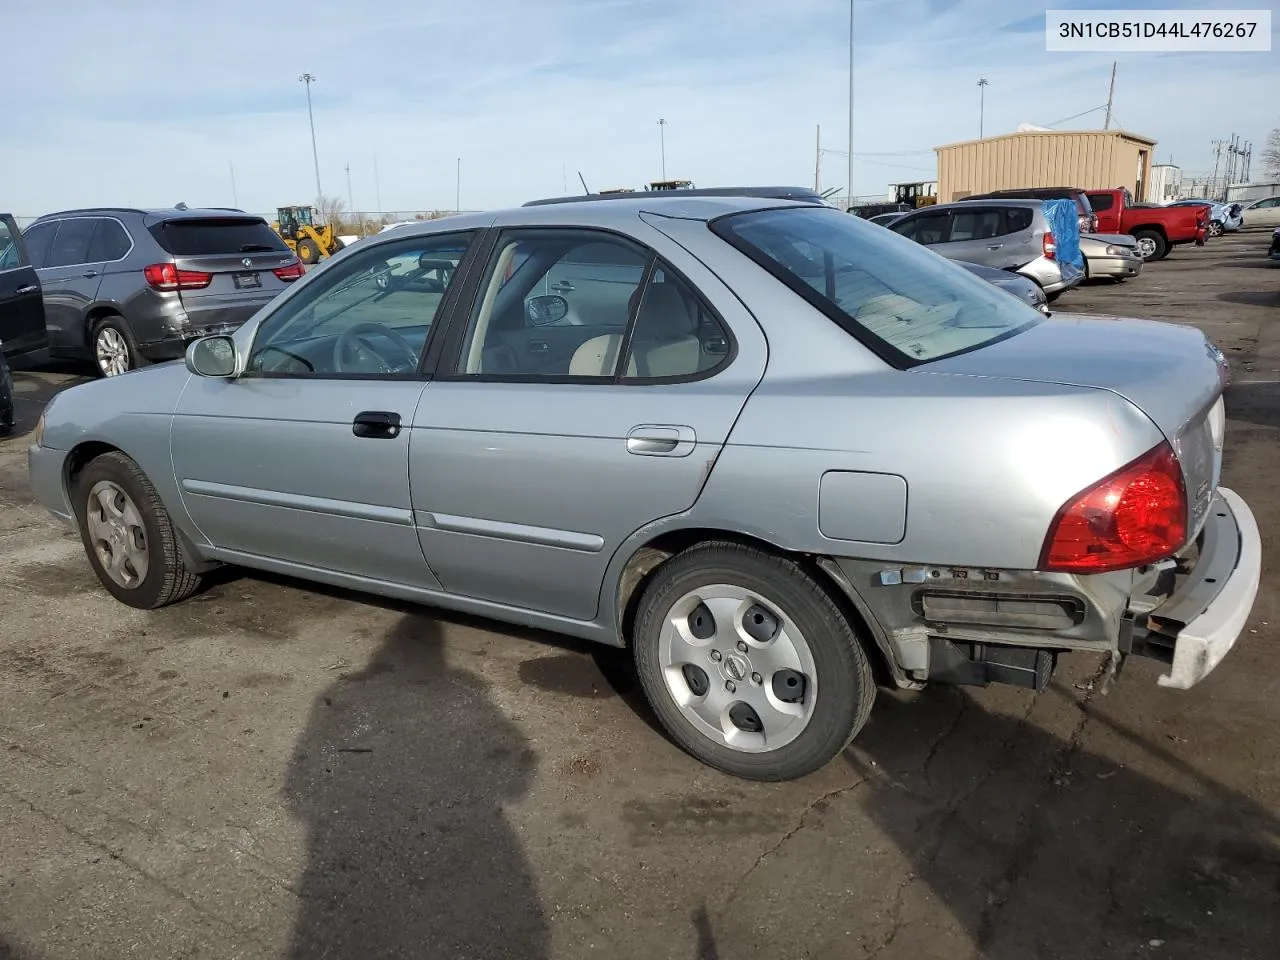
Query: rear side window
[(71, 245), (216, 236), (1101, 201), (979, 224), (110, 242), (1018, 219), (906, 304), (39, 238)]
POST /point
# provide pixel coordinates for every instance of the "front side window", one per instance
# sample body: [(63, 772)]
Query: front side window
[(371, 315), (977, 224), (906, 304), (39, 238), (928, 228), (581, 304)]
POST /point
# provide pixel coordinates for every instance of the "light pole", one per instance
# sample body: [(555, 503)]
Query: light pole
[(850, 185), (662, 140), (983, 83), (308, 79)]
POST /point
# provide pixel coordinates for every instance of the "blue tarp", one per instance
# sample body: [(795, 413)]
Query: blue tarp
[(1063, 220)]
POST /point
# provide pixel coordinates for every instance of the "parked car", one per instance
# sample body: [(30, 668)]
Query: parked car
[(1111, 255), (1084, 211), (1223, 217), (1004, 234), (1011, 283), (1263, 213), (1157, 229), (884, 219), (785, 445), (1275, 244), (124, 286), (22, 330)]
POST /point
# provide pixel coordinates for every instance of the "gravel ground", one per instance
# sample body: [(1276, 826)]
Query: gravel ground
[(276, 770)]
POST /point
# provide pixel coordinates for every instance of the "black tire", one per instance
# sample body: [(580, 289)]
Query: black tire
[(6, 398), (167, 579), (1215, 228), (308, 252), (840, 661), (1159, 245), (338, 244), (114, 328)]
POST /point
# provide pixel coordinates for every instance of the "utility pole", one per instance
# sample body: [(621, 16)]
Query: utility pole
[(983, 83), (849, 186), (308, 79), (235, 202), (817, 163), (351, 204), (457, 189), (662, 141), (1111, 93), (1217, 158), (377, 187)]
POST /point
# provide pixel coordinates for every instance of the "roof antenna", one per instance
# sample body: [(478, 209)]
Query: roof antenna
[(584, 182)]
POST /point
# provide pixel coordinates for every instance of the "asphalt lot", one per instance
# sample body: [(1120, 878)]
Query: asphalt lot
[(275, 770)]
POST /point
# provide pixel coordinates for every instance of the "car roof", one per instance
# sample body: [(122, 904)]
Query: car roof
[(772, 193), (986, 202), (675, 204), (158, 213)]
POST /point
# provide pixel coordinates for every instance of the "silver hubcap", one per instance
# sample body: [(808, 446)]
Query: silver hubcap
[(117, 534), (112, 352), (1147, 247), (738, 668)]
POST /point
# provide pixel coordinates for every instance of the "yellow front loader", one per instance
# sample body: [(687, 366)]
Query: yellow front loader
[(298, 228)]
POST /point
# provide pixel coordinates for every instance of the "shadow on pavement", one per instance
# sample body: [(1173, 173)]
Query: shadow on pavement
[(1039, 848), (1257, 403), (400, 777)]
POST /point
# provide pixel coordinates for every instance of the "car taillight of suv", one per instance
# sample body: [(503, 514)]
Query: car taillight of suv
[(166, 276)]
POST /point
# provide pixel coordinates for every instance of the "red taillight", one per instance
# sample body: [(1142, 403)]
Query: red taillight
[(1137, 515), (293, 271), (165, 276), (1050, 245)]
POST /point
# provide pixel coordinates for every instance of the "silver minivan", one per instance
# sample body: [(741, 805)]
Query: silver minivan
[(1004, 234)]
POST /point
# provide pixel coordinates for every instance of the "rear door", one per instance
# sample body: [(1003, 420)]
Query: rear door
[(237, 255), (70, 282), (21, 307)]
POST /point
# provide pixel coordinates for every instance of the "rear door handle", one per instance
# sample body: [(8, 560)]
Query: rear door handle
[(29, 288), (90, 273), (562, 286), (376, 425), (995, 246), (661, 440)]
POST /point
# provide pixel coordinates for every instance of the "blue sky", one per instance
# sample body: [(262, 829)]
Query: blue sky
[(145, 102)]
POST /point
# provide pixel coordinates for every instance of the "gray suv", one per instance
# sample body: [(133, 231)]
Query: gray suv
[(1004, 234), (124, 286)]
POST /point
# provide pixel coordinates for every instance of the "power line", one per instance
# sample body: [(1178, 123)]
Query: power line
[(1077, 116)]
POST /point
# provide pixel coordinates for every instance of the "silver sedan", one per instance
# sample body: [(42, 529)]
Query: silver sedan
[(782, 455)]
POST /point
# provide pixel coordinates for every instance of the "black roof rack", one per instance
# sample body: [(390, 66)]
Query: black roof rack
[(63, 213), (806, 194)]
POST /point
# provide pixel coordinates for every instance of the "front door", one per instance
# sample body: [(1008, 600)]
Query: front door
[(997, 237), (70, 283), (303, 459), (587, 395), (21, 308)]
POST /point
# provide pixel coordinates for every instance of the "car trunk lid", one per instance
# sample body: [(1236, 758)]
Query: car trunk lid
[(1172, 373), (239, 254)]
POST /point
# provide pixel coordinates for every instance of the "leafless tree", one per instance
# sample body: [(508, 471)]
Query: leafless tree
[(1271, 154), (331, 210)]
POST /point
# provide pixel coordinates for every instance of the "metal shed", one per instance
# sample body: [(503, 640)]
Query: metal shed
[(1089, 159)]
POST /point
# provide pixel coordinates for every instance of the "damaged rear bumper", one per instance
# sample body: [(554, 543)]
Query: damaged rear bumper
[(1201, 620)]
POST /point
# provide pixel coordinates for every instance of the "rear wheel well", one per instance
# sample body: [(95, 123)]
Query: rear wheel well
[(1152, 227), (645, 561), (93, 316)]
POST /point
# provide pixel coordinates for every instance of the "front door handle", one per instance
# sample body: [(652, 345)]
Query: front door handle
[(29, 288), (661, 440), (995, 246), (89, 274), (562, 286), (376, 425)]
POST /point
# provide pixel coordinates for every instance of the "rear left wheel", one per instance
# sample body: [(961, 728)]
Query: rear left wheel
[(749, 663), (113, 347)]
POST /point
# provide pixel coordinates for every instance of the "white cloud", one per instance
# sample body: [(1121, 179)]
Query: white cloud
[(148, 102)]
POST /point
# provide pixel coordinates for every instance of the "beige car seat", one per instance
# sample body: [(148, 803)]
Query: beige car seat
[(665, 345)]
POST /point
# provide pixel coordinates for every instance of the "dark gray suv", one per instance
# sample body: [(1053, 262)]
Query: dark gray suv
[(124, 286)]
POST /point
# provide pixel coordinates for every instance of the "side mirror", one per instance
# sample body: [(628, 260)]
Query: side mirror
[(212, 356), (544, 311)]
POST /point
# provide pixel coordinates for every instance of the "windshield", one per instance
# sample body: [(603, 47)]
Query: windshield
[(905, 302)]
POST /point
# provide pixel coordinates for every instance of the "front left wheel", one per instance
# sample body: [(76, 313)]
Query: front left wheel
[(128, 536), (749, 662)]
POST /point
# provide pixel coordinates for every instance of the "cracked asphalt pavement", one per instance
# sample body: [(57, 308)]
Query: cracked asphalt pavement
[(276, 770)]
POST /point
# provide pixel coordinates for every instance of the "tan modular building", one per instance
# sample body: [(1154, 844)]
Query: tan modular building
[(1089, 159)]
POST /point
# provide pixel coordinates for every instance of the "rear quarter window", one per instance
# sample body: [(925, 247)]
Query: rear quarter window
[(192, 237)]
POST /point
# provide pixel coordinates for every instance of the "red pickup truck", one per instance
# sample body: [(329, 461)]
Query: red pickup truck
[(1157, 229)]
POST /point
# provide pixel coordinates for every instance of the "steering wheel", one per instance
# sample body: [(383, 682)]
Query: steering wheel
[(355, 338)]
